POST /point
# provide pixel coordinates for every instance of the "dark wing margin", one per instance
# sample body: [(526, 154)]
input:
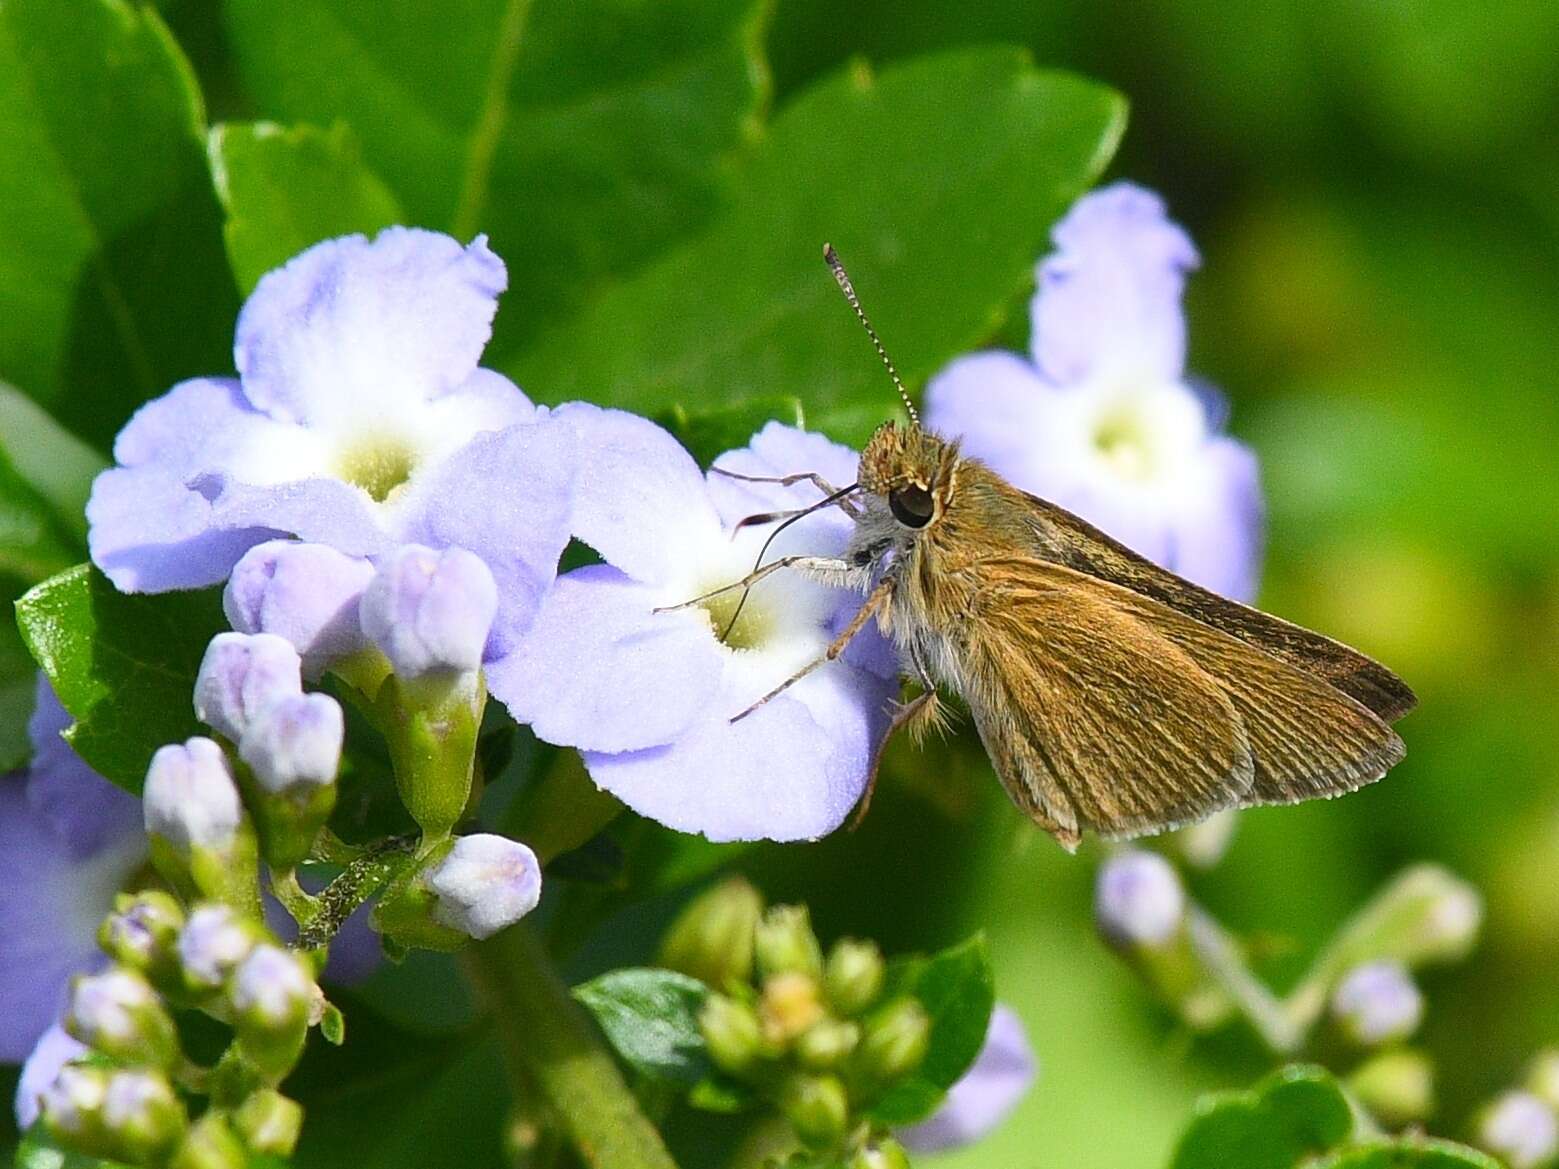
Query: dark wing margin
[(1092, 719), (1077, 544)]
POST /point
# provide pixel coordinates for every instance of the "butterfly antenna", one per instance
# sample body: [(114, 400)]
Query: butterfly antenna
[(843, 278)]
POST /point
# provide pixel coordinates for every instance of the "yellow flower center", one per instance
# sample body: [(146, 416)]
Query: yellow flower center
[(377, 463)]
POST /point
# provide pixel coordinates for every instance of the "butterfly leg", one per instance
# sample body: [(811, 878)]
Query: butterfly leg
[(812, 477), (828, 569), (875, 601), (919, 714)]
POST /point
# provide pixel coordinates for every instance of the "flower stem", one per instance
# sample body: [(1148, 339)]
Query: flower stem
[(360, 880), (549, 1042), (1221, 957)]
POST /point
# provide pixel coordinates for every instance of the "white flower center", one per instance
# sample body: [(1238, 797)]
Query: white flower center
[(380, 463), (1141, 431)]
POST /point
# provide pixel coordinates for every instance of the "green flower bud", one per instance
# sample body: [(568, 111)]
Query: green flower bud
[(212, 944), (884, 1154), (827, 1044), (712, 939), (272, 996), (430, 725), (270, 1122), (1397, 1087), (142, 1116), (71, 1108), (817, 1108), (790, 1005), (210, 1144), (893, 1042), (785, 944), (732, 1034), (142, 933), (854, 976), (1543, 1077), (118, 1013)]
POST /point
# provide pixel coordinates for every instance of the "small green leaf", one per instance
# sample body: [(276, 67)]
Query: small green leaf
[(33, 544), (17, 680), (1408, 1153), (938, 181), (650, 1017), (111, 264), (1286, 1118), (720, 1093), (123, 665), (958, 990), (710, 433), (286, 188)]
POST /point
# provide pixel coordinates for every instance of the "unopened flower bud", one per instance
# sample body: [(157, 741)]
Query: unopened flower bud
[(731, 1033), (784, 943), (214, 941), (240, 676), (1543, 1077), (72, 1106), (1377, 1003), (270, 1122), (1520, 1129), (484, 883), (272, 996), (305, 593), (201, 839), (295, 743), (885, 1153), (712, 938), (1203, 844), (1397, 1087), (853, 978), (430, 611), (142, 933), (790, 1004), (210, 1144), (827, 1044), (893, 1041), (1138, 900), (118, 1013), (816, 1107), (142, 1116)]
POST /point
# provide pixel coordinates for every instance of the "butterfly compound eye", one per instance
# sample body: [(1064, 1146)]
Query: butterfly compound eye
[(911, 506)]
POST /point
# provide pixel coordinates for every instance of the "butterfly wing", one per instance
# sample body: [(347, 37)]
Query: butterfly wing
[(1105, 709), (1071, 541)]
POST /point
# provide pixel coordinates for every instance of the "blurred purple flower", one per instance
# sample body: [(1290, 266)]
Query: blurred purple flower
[(649, 697), (359, 420), (985, 1095), (55, 1048), (69, 840), (1101, 418)]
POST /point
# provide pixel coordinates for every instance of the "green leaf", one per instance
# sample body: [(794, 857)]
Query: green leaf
[(720, 1093), (54, 462), (17, 679), (286, 188), (123, 665), (112, 275), (650, 1017), (583, 137), (958, 990), (1408, 1153), (33, 544), (710, 433), (1285, 1119), (938, 182)]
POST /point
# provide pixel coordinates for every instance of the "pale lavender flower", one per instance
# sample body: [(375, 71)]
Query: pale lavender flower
[(485, 883), (1100, 417), (69, 840), (190, 799), (1377, 1003), (1521, 1130), (1138, 899), (649, 696), (985, 1095), (56, 1047), (359, 420), (305, 593), (430, 610), (296, 741), (240, 676)]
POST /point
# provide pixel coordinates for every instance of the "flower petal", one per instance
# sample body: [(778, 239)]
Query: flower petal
[(779, 450), (55, 1048), (508, 497), (777, 774), (640, 500), (598, 670), (1218, 529), (999, 406), (349, 324), (987, 1093), (1110, 293), (86, 811)]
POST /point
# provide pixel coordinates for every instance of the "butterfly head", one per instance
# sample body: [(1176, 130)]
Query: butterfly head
[(912, 470)]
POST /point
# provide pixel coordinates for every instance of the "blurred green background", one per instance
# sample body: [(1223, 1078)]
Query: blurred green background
[(1374, 185)]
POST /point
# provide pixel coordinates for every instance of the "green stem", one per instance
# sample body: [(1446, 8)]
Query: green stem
[(357, 883), (548, 1041), (1225, 965)]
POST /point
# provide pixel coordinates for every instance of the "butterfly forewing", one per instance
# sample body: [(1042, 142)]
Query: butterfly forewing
[(1097, 721)]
